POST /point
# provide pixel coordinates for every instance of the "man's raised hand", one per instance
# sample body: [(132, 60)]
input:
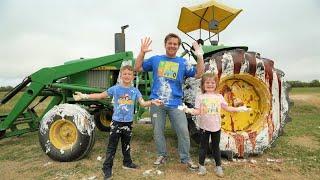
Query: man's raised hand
[(145, 45)]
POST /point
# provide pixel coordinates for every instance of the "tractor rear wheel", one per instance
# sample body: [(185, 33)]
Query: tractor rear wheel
[(245, 79), (66, 133), (102, 120)]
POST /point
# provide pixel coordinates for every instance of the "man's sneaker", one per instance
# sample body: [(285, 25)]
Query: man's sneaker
[(202, 170), (191, 165), (130, 166), (107, 174), (219, 172), (160, 160)]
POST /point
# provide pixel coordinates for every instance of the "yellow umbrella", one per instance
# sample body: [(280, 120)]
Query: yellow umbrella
[(211, 16)]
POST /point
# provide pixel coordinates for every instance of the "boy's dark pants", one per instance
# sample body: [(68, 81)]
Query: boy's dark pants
[(119, 130), (204, 145)]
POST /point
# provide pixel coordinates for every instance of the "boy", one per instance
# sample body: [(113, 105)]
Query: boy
[(121, 126)]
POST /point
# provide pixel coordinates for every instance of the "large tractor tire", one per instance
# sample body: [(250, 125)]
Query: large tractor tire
[(67, 133), (246, 79), (102, 119)]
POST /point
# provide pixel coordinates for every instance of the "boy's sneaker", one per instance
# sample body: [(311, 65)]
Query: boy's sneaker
[(191, 165), (219, 172), (130, 166), (160, 160), (107, 174), (202, 170)]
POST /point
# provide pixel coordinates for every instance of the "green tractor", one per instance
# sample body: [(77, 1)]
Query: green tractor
[(67, 127)]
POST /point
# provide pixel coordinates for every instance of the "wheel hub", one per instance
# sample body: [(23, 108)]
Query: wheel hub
[(63, 134), (240, 90)]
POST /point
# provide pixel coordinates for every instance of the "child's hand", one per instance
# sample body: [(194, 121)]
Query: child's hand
[(157, 102), (77, 96), (185, 109), (189, 111), (243, 109)]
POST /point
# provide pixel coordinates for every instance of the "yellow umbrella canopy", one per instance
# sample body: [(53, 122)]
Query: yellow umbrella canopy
[(211, 16)]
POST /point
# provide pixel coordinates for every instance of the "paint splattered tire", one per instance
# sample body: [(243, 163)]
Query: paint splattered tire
[(102, 119), (67, 133), (246, 79)]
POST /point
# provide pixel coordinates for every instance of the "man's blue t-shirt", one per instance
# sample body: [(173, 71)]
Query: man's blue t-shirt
[(168, 77), (124, 99)]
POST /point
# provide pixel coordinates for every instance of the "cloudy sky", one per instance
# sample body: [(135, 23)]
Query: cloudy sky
[(45, 33)]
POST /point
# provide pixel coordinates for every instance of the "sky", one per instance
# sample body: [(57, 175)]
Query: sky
[(44, 33)]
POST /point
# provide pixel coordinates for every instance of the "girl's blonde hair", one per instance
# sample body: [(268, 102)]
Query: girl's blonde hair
[(206, 76)]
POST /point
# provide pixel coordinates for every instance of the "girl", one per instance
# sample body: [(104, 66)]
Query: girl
[(207, 106)]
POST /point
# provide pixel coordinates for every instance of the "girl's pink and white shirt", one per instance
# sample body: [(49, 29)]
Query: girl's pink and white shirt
[(210, 108)]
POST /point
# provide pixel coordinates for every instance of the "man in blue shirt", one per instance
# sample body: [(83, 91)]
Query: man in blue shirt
[(169, 72)]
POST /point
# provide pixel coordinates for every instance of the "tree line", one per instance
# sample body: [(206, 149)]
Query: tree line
[(313, 83)]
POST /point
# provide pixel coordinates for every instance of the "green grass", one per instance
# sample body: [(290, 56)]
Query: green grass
[(305, 90), (298, 148)]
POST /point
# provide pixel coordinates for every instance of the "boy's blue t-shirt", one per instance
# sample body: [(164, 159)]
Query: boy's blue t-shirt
[(168, 78), (124, 99)]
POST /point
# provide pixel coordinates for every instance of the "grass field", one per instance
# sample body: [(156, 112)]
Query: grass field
[(295, 155)]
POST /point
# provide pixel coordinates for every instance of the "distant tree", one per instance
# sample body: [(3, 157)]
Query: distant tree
[(315, 83)]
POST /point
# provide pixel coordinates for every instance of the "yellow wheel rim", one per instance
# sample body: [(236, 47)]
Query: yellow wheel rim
[(104, 120), (63, 134), (242, 89)]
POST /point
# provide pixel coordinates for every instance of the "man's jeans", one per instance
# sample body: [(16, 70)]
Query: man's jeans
[(179, 124)]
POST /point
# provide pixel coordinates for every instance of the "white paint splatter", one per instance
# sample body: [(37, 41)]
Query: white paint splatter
[(126, 128), (275, 106), (260, 69), (245, 65), (47, 145), (81, 118), (212, 67), (191, 89), (189, 65), (164, 91), (154, 115), (61, 151), (227, 64), (99, 158)]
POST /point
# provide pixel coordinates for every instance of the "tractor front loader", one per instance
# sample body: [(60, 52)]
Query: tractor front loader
[(66, 128)]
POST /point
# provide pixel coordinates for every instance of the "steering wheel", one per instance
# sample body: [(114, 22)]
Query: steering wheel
[(187, 51)]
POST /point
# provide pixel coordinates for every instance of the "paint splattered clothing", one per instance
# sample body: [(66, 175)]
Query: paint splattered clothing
[(121, 125), (168, 78), (124, 99), (123, 131), (210, 105)]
